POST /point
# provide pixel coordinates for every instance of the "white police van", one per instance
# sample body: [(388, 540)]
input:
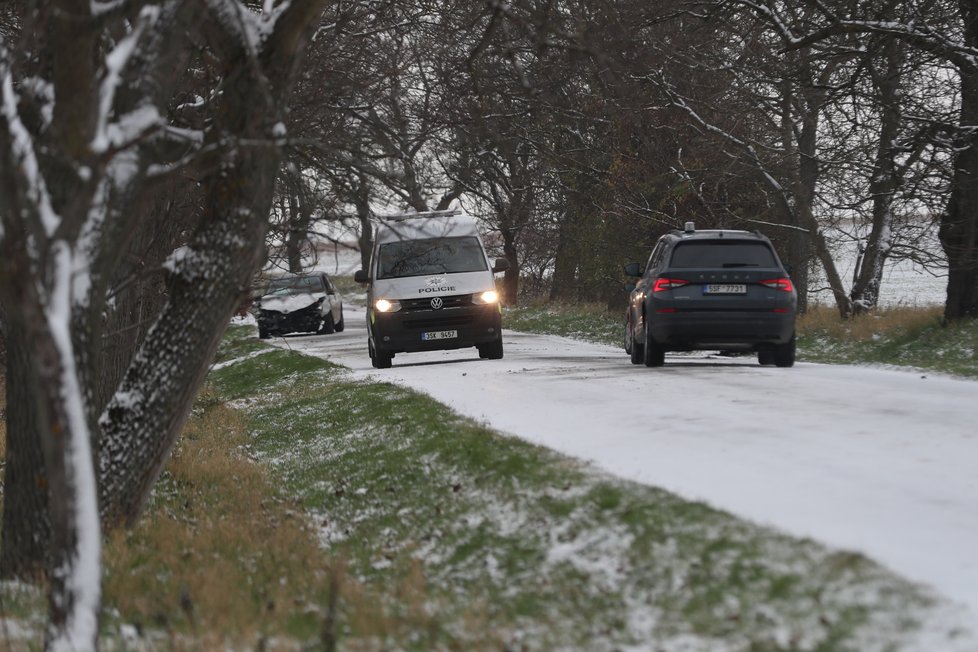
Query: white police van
[(430, 286)]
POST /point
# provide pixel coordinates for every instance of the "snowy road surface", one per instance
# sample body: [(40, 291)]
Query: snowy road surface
[(880, 461)]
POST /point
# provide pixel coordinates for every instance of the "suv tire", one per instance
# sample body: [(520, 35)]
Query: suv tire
[(654, 353), (765, 357), (784, 354)]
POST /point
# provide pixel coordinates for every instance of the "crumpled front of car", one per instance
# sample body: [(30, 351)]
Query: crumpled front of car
[(290, 314)]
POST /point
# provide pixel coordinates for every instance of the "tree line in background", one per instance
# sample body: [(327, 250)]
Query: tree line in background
[(152, 152), (581, 130)]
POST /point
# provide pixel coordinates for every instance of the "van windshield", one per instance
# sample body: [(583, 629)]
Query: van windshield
[(431, 256)]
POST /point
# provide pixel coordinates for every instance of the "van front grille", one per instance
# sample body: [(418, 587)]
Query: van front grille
[(424, 303)]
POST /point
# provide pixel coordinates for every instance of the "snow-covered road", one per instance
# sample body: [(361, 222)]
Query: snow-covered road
[(879, 461)]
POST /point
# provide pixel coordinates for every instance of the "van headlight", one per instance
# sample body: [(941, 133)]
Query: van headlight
[(385, 305), (485, 298)]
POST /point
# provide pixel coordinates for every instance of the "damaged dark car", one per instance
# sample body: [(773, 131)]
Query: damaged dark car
[(299, 303)]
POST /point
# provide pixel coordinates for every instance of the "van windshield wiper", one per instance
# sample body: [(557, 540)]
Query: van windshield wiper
[(740, 265)]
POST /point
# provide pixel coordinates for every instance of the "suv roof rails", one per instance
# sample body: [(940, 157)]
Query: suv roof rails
[(399, 217)]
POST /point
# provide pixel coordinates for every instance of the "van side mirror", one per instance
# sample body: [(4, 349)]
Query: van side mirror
[(360, 276), (633, 269), (501, 265), (629, 287)]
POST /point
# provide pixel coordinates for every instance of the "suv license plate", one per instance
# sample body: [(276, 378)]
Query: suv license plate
[(439, 335), (737, 288)]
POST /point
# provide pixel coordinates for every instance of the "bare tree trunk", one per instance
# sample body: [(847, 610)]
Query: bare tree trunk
[(883, 183), (361, 200), (564, 281), (142, 421), (959, 223), (26, 523), (511, 277)]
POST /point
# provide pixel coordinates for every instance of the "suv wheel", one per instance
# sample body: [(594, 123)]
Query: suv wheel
[(765, 357), (784, 354), (655, 353), (637, 352)]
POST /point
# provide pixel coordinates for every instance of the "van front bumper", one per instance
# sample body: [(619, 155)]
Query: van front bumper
[(405, 330)]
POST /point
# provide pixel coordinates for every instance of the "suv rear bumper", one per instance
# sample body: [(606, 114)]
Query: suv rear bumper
[(402, 331), (708, 329)]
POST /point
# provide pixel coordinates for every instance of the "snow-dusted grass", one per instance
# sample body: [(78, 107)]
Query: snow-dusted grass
[(454, 537), (590, 322), (912, 337)]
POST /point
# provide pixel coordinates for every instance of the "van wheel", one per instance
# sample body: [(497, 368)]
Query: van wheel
[(341, 324), (379, 359), (491, 350), (784, 354), (654, 353)]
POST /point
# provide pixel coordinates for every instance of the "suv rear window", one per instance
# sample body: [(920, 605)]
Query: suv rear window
[(720, 254)]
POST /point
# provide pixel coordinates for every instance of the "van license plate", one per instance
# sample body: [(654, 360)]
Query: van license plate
[(439, 335), (737, 288)]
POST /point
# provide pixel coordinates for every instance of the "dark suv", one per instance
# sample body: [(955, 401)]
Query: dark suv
[(711, 290)]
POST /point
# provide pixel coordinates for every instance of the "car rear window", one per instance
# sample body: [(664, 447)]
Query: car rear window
[(720, 254)]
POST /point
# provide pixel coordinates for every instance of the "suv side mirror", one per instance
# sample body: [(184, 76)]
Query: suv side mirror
[(633, 269), (361, 276), (501, 265), (629, 287)]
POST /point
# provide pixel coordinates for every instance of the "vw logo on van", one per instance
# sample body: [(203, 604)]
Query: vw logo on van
[(437, 303)]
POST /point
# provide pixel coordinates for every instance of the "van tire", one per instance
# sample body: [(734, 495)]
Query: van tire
[(491, 350), (341, 324), (379, 359)]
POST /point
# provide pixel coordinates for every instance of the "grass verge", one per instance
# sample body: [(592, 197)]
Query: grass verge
[(913, 337)]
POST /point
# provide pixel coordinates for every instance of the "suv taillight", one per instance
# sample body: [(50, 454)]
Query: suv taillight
[(782, 284), (663, 284)]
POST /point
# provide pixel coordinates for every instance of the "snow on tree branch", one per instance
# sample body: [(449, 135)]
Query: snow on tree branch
[(247, 28), (115, 64), (83, 575), (22, 149)]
